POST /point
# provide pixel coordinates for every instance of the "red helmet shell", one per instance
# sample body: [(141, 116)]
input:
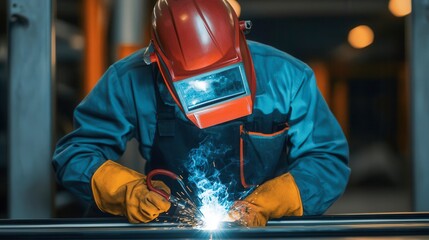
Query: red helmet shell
[(195, 36)]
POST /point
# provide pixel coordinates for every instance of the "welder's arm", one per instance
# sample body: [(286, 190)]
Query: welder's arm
[(102, 127), (318, 157), (121, 191), (104, 123), (318, 149)]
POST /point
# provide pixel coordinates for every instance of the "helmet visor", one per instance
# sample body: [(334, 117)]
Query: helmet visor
[(212, 88)]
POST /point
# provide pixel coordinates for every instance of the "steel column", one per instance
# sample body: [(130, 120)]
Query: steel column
[(95, 26), (131, 22), (420, 102), (31, 64)]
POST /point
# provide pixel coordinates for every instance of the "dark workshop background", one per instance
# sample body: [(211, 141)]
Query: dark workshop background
[(367, 88)]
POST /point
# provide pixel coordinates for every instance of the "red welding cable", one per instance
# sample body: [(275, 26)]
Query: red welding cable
[(160, 172)]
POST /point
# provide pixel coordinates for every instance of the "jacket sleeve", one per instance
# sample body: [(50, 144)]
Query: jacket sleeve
[(103, 125), (318, 149)]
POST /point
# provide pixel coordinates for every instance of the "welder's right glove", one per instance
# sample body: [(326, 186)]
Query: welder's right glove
[(275, 198), (121, 191)]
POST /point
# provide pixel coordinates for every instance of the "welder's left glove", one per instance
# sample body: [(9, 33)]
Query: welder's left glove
[(119, 190), (275, 198)]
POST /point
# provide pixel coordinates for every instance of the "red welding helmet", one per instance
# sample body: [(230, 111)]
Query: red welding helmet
[(201, 51)]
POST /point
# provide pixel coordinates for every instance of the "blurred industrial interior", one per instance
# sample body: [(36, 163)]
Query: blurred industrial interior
[(367, 88)]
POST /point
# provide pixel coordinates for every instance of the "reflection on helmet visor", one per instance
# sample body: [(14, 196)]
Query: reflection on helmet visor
[(216, 87)]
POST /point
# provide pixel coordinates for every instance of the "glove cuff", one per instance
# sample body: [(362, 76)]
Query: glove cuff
[(108, 183), (291, 198)]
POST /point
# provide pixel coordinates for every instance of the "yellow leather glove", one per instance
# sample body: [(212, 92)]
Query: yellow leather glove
[(121, 191), (275, 198)]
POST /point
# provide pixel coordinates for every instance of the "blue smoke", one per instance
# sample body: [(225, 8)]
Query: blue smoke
[(212, 193)]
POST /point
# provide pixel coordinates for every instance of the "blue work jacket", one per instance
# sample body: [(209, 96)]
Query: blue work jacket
[(123, 105)]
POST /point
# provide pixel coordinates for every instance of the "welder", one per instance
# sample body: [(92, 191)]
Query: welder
[(199, 81)]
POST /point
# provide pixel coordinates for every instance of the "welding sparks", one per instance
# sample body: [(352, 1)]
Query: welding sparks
[(213, 195), (214, 204), (214, 213), (214, 199)]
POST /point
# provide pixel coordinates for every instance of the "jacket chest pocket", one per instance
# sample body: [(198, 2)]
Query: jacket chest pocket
[(260, 154)]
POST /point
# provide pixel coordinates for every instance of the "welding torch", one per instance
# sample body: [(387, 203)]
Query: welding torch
[(181, 203)]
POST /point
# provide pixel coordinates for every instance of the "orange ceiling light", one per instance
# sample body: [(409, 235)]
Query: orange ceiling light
[(400, 8), (361, 36)]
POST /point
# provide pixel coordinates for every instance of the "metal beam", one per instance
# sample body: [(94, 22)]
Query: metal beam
[(420, 102), (30, 126), (313, 7)]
